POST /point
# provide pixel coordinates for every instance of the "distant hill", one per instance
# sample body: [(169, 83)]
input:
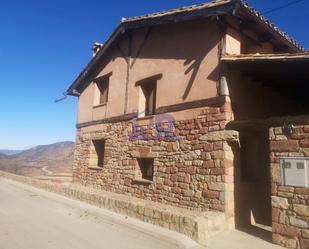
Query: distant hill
[(57, 158), (9, 152), (2, 155)]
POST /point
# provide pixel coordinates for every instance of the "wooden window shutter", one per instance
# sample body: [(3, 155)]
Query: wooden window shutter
[(149, 90), (103, 87)]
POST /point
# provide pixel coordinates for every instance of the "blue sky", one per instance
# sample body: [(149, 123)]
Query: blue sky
[(44, 45)]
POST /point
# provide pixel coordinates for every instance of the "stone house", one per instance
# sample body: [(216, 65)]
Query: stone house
[(202, 108)]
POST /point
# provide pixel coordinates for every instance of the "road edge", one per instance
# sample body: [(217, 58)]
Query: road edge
[(180, 240)]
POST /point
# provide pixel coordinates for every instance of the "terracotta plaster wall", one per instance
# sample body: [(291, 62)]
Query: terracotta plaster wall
[(250, 40), (232, 42), (187, 57), (185, 54), (290, 204), (236, 40), (86, 112)]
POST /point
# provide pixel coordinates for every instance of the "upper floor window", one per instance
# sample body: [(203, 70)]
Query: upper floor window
[(101, 90), (147, 96), (149, 90)]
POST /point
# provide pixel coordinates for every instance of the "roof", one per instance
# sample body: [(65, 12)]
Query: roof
[(217, 7), (186, 9), (272, 25), (201, 6)]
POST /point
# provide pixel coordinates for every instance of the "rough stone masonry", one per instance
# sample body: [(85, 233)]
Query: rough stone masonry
[(290, 205), (193, 163)]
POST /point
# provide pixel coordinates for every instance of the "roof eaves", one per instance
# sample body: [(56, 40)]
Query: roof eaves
[(180, 10), (86, 71), (265, 57), (272, 26)]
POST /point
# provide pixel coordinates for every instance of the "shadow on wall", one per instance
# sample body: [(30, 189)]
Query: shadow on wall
[(194, 68), (183, 42), (253, 99), (252, 192)]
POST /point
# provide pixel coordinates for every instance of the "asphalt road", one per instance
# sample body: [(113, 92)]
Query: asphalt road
[(34, 219)]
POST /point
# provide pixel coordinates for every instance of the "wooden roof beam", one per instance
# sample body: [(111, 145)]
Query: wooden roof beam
[(245, 25), (266, 37)]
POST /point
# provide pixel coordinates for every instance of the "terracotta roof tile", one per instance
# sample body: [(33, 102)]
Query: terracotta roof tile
[(176, 11)]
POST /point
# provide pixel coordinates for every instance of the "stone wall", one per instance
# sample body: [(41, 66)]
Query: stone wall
[(193, 162), (290, 205)]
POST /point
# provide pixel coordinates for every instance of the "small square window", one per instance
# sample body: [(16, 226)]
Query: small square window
[(98, 155), (145, 169)]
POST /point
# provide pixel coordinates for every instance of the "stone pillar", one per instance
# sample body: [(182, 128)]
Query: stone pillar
[(229, 139), (229, 183), (290, 204)]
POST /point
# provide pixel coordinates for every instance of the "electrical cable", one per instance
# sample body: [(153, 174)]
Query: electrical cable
[(282, 7)]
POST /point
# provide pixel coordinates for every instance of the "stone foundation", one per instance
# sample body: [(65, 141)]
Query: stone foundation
[(193, 162), (196, 225), (290, 205)]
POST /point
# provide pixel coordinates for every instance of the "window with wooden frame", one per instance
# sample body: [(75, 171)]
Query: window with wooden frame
[(101, 90), (149, 90), (147, 95)]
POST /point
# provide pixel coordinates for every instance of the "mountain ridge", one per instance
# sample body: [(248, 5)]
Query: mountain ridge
[(9, 152), (58, 157)]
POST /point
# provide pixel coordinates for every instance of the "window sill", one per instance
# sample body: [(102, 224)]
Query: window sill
[(146, 117), (100, 105), (95, 167), (142, 181)]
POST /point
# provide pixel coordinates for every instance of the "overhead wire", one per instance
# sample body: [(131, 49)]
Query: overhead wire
[(282, 7)]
